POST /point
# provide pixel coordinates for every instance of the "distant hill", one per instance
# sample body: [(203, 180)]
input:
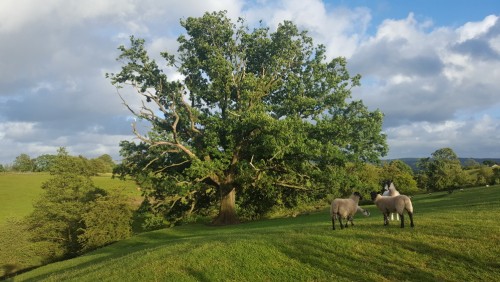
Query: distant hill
[(412, 162)]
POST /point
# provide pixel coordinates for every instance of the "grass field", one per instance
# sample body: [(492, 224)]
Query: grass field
[(19, 190), (456, 238)]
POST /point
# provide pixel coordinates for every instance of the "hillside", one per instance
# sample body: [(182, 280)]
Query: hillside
[(445, 245)]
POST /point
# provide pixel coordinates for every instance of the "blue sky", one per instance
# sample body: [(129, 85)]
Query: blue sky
[(441, 12), (433, 67)]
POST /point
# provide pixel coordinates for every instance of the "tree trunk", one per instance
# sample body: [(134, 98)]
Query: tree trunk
[(227, 212)]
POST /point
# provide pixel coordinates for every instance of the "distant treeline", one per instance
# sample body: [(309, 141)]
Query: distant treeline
[(467, 163), (44, 163)]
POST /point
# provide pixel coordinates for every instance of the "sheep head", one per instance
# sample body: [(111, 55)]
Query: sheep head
[(374, 195), (357, 194)]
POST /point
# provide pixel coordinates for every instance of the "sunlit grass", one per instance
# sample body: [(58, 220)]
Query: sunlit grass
[(455, 239), (18, 191)]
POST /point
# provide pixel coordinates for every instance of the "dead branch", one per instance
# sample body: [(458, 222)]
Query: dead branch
[(291, 186)]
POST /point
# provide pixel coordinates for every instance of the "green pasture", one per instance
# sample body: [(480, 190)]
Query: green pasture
[(456, 238), (19, 190)]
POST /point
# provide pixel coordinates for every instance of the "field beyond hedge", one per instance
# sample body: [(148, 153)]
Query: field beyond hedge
[(456, 238), (18, 191)]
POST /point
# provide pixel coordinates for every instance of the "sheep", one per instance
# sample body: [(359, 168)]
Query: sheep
[(390, 190), (393, 204), (346, 208)]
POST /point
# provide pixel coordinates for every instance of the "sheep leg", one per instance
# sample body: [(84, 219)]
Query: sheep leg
[(410, 214), (340, 221), (402, 220), (333, 223), (351, 220), (386, 219)]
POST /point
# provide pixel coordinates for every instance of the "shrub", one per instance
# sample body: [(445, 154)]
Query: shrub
[(107, 220)]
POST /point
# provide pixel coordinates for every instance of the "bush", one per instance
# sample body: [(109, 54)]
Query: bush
[(107, 220)]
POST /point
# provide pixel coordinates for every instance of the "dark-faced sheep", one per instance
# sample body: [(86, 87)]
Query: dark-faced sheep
[(345, 209), (399, 204)]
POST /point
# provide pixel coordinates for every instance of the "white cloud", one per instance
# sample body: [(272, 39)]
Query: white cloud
[(17, 130), (471, 138), (340, 29), (437, 85), (18, 14), (474, 29), (421, 77)]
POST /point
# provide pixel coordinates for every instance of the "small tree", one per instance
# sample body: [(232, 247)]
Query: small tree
[(23, 163), (44, 162), (62, 214), (442, 171), (254, 109), (56, 221), (107, 163)]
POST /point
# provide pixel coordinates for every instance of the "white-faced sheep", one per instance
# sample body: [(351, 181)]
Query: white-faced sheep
[(390, 190), (345, 209), (397, 204)]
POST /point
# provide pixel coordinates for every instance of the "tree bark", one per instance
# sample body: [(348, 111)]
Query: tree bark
[(227, 212)]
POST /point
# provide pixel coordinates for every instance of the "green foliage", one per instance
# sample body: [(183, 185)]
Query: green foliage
[(107, 220), (103, 164), (488, 163), (442, 171), (402, 176), (72, 215), (484, 176), (17, 194), (495, 178), (471, 164), (66, 164), (443, 246), (56, 221), (23, 163), (265, 111), (44, 163)]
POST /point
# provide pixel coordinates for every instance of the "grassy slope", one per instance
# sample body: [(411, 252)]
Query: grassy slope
[(17, 193), (455, 239), (19, 190)]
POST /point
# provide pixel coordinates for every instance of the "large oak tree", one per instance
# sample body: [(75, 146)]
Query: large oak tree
[(254, 108)]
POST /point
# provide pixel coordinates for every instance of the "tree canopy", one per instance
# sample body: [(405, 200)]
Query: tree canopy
[(44, 163), (441, 171), (23, 163), (254, 110), (72, 215)]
